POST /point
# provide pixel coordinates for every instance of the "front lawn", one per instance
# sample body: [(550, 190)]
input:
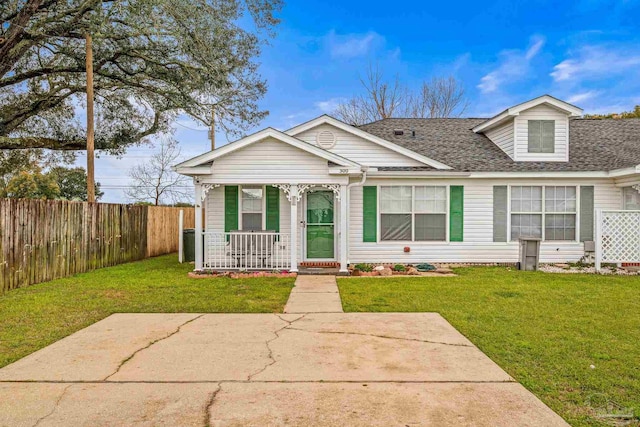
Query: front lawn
[(569, 338), (36, 316)]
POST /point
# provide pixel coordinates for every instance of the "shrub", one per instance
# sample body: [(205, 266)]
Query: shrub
[(399, 267), (363, 267)]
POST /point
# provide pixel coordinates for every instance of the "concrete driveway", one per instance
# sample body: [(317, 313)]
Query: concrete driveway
[(266, 369)]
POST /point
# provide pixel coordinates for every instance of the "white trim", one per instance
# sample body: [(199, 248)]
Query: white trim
[(258, 136), (514, 111), (263, 207), (325, 119)]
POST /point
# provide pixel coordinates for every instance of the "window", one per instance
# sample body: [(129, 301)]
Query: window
[(560, 213), (541, 136), (526, 212), (431, 213), (413, 213), (559, 216), (252, 208), (395, 213), (631, 199)]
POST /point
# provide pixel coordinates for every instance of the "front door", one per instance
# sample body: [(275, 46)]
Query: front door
[(320, 225)]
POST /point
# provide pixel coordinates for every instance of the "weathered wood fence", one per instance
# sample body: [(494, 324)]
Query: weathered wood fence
[(41, 240)]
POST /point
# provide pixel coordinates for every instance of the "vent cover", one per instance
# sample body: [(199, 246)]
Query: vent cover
[(326, 139)]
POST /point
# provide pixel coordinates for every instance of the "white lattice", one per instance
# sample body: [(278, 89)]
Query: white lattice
[(619, 233)]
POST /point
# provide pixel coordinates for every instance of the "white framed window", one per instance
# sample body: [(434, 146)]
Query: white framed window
[(413, 213), (430, 213), (526, 212), (251, 208), (631, 198), (560, 206), (557, 211), (541, 136)]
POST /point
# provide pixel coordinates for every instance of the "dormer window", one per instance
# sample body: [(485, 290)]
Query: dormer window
[(542, 136)]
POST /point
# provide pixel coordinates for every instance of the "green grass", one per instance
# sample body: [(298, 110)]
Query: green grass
[(38, 315), (545, 330)]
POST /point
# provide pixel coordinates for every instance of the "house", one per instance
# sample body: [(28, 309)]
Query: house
[(414, 190)]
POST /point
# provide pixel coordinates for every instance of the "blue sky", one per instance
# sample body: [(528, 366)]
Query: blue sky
[(585, 52)]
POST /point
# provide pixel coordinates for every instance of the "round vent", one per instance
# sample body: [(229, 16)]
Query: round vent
[(326, 139)]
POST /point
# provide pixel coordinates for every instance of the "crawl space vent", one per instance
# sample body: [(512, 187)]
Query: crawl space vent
[(326, 139)]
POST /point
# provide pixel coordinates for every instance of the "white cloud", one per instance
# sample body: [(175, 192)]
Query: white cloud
[(353, 45), (583, 96), (328, 106), (590, 63), (513, 65)]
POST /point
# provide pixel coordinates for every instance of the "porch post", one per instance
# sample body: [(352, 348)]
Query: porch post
[(198, 227), (293, 191), (344, 235)]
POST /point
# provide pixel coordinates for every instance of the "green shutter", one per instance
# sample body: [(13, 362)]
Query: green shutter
[(586, 213), (500, 213), (273, 209), (230, 208), (456, 213), (369, 213)]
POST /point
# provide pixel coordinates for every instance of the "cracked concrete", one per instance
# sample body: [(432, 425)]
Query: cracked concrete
[(265, 369)]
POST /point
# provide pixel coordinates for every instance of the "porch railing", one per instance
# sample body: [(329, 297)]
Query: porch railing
[(617, 237), (246, 250)]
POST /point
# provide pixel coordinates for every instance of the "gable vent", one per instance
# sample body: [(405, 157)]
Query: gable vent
[(326, 139)]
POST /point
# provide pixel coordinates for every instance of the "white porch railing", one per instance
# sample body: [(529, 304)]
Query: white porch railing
[(617, 237), (246, 250)]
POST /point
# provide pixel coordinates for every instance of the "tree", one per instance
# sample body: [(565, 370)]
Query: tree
[(32, 185), (12, 162), (440, 97), (153, 60), (72, 183), (635, 114), (156, 181)]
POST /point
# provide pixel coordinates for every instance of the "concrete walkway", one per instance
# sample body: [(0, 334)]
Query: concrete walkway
[(328, 369), (314, 294)]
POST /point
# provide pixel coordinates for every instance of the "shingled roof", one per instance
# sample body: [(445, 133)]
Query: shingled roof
[(595, 145)]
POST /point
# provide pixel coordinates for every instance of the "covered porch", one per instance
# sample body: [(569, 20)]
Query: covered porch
[(271, 226)]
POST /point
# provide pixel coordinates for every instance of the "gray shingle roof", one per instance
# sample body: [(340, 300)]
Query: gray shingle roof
[(595, 144)]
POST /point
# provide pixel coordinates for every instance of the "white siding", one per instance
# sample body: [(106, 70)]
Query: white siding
[(478, 245), (359, 149), (270, 161), (542, 112), (502, 136), (214, 210)]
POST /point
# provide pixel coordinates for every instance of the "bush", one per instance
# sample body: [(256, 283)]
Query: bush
[(399, 267), (363, 267)]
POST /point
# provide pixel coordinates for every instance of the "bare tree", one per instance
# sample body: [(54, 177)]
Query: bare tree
[(155, 181), (381, 100), (440, 97)]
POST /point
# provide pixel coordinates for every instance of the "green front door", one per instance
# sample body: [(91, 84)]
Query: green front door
[(320, 225)]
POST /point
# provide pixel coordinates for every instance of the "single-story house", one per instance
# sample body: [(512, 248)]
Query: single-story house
[(414, 190)]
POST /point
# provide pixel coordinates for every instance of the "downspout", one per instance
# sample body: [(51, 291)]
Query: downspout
[(364, 170)]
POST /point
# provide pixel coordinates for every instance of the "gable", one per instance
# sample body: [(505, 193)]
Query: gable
[(269, 159), (356, 148)]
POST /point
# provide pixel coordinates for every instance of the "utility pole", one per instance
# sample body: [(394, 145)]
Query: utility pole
[(212, 131), (91, 193)]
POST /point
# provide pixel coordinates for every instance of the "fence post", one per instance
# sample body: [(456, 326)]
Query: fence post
[(598, 239), (180, 235)]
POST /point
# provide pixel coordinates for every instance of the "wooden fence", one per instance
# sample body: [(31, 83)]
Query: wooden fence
[(162, 228), (42, 240)]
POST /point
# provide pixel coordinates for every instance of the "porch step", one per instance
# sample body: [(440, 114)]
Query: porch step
[(318, 271), (325, 264)]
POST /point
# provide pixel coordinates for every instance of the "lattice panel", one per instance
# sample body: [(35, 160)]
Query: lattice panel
[(620, 236)]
